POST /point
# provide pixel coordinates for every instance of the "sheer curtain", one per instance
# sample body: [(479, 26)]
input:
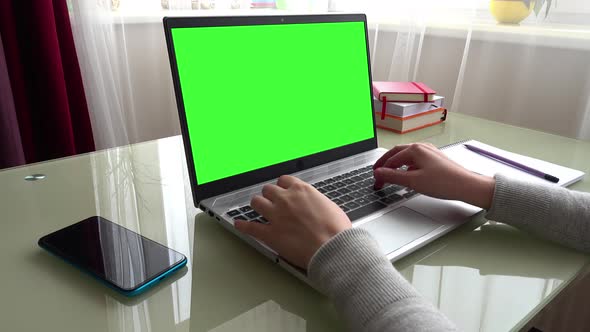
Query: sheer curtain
[(124, 60), (535, 75), (102, 46)]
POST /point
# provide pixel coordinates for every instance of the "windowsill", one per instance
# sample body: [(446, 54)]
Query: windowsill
[(483, 27), (155, 16), (557, 36)]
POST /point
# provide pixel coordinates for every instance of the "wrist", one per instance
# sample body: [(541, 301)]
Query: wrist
[(479, 191)]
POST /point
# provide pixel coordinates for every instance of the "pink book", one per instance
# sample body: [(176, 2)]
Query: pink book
[(403, 92)]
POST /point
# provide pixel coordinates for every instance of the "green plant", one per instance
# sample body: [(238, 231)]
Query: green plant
[(539, 5)]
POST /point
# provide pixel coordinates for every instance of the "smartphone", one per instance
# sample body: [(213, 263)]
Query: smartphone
[(121, 258)]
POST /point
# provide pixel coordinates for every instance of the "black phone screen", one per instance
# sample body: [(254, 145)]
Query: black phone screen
[(112, 252)]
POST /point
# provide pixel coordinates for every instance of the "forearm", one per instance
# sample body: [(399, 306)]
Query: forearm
[(366, 289), (548, 211)]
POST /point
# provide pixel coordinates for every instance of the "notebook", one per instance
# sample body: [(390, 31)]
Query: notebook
[(402, 125), (486, 166), (403, 91)]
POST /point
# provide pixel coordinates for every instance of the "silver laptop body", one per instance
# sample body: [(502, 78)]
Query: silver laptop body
[(404, 225)]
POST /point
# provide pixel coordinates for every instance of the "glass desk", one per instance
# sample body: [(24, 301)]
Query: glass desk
[(485, 277)]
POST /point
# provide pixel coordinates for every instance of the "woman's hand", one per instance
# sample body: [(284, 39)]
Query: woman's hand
[(430, 172), (301, 219)]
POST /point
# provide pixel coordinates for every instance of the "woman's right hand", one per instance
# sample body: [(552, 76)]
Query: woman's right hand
[(430, 172)]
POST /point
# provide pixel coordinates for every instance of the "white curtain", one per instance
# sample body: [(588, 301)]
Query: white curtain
[(107, 75), (126, 76), (124, 61), (535, 75)]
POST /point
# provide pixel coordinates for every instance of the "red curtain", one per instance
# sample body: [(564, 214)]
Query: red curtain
[(45, 79)]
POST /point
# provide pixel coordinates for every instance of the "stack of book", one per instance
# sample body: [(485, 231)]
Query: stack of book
[(407, 106)]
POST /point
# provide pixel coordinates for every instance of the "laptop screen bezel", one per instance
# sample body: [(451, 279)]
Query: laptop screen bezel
[(243, 180)]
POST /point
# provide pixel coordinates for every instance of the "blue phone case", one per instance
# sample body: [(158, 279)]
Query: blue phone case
[(140, 290)]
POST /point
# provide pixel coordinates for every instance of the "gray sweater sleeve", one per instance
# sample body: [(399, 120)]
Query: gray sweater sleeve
[(372, 296), (366, 289), (547, 211)]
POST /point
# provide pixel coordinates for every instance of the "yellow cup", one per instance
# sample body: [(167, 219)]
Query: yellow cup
[(510, 11)]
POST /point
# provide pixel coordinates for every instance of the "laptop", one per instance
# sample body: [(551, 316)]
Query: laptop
[(263, 96)]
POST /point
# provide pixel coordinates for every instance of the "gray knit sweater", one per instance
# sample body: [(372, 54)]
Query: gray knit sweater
[(372, 296)]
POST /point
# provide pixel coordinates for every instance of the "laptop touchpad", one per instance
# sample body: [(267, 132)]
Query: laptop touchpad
[(399, 227)]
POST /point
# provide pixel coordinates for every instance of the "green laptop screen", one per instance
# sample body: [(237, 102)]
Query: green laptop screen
[(259, 95)]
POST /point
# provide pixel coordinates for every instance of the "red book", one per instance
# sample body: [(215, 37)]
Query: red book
[(403, 91)]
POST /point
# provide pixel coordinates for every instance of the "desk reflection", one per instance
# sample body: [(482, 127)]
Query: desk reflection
[(475, 275), (235, 288), (266, 317), (481, 273), (143, 188)]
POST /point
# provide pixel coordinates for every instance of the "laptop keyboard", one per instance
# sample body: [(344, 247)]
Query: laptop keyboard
[(353, 192)]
